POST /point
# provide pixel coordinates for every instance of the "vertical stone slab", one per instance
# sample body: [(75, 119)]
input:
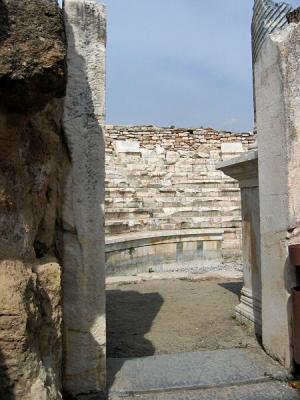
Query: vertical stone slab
[(83, 217), (277, 87), (249, 309)]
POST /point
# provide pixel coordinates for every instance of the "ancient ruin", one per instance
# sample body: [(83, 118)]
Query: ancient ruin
[(166, 204), (270, 206), (52, 249), (176, 199), (33, 161), (83, 208)]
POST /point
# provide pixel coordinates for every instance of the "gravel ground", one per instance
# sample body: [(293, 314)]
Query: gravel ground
[(190, 267), (173, 316)]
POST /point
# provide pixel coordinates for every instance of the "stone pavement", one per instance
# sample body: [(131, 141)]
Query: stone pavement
[(246, 374)]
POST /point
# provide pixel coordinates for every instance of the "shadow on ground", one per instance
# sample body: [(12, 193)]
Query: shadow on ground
[(234, 287), (127, 329), (172, 316)]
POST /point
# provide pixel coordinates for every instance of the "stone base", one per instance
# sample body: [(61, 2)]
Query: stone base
[(249, 311)]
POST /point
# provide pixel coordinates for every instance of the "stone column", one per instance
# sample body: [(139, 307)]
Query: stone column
[(244, 169), (277, 87), (83, 217)]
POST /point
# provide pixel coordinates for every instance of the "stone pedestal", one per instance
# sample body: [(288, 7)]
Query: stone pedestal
[(245, 170)]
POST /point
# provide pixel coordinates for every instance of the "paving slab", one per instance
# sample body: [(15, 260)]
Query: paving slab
[(189, 371), (271, 390)]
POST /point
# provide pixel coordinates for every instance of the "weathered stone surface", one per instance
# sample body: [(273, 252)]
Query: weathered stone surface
[(277, 87), (127, 146), (32, 53), (48, 273), (161, 180), (30, 152), (83, 214), (197, 370), (29, 196), (30, 337), (245, 170), (186, 249), (232, 147), (275, 390)]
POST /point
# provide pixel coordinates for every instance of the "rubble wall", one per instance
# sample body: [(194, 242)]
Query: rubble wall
[(32, 158), (165, 200)]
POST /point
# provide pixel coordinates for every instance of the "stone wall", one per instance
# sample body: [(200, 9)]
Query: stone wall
[(52, 267), (163, 183), (32, 159)]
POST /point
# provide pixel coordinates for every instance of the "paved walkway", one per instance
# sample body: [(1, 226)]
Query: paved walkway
[(235, 374)]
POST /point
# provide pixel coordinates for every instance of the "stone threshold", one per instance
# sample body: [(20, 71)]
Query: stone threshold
[(194, 371)]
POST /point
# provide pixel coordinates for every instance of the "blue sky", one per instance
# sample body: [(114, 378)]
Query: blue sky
[(180, 62)]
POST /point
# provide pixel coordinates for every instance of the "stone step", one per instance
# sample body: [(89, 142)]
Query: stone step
[(235, 373), (257, 391)]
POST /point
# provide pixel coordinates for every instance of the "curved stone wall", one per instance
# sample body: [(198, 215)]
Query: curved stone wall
[(163, 183), (161, 251)]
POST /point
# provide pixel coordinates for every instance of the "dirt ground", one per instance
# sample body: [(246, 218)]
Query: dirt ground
[(173, 316)]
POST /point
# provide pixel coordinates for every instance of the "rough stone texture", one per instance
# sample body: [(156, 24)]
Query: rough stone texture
[(277, 80), (294, 16), (164, 180), (31, 53), (83, 214), (30, 335), (31, 154)]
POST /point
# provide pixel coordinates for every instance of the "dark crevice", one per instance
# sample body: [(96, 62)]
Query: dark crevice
[(4, 22), (40, 249)]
